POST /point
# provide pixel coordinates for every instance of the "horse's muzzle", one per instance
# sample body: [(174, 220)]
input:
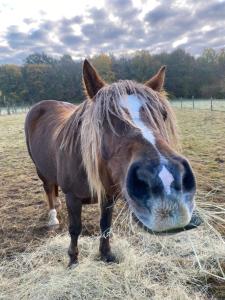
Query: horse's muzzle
[(161, 193)]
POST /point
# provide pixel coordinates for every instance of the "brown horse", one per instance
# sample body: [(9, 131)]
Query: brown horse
[(120, 141)]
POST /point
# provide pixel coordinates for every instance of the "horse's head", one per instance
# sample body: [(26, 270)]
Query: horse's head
[(129, 129)]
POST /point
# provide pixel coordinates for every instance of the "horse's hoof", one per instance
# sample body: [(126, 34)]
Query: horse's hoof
[(53, 227), (109, 258), (72, 264)]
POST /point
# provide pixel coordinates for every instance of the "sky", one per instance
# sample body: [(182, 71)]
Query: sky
[(83, 28)]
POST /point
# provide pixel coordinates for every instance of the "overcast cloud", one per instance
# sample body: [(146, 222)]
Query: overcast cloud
[(117, 27)]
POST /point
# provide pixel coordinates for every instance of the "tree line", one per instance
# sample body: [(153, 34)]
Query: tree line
[(44, 77)]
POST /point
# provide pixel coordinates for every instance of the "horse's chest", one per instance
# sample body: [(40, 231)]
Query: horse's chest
[(72, 176)]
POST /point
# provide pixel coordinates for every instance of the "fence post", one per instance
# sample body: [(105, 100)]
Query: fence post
[(193, 102), (211, 103), (181, 103)]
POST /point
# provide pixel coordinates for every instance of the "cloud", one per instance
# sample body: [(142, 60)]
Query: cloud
[(119, 26), (102, 33), (4, 50), (123, 9), (72, 39), (28, 21), (162, 13), (213, 12), (17, 39)]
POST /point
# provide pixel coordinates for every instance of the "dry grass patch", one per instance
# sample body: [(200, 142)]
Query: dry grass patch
[(151, 267)]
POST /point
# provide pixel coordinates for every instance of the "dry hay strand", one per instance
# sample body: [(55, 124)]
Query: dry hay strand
[(187, 265)]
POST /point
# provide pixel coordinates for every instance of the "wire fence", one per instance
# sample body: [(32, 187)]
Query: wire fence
[(13, 109), (183, 103), (207, 104)]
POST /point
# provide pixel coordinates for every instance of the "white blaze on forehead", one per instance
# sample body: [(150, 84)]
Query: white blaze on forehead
[(166, 178), (133, 104)]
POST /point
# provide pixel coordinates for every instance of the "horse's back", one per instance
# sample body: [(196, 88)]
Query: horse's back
[(47, 109), (42, 124)]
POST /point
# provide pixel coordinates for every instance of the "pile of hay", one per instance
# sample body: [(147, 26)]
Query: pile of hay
[(181, 266)]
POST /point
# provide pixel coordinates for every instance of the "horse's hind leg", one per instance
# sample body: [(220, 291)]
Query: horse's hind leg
[(57, 201), (51, 198), (51, 191)]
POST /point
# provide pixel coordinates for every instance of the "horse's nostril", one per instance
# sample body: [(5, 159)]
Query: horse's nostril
[(137, 185), (188, 181), (177, 183)]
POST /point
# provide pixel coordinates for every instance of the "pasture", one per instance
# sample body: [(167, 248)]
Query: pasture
[(23, 215)]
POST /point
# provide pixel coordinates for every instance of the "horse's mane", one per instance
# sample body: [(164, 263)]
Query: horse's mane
[(87, 121)]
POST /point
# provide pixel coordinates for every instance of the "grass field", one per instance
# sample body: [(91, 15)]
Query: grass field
[(23, 208)]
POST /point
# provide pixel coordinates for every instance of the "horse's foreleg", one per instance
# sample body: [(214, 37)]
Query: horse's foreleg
[(74, 207), (105, 224)]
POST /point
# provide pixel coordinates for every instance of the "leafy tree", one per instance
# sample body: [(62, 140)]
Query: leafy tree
[(11, 83), (44, 77), (122, 68), (103, 63), (39, 58), (36, 81), (143, 65), (67, 74)]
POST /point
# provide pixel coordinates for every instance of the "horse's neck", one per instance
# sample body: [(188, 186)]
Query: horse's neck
[(68, 129)]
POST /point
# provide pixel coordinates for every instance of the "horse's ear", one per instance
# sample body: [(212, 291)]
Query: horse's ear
[(91, 80), (157, 81)]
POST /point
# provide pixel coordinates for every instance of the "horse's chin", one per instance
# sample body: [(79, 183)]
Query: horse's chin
[(194, 222)]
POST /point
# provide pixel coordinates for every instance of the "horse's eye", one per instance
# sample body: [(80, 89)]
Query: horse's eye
[(164, 113)]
